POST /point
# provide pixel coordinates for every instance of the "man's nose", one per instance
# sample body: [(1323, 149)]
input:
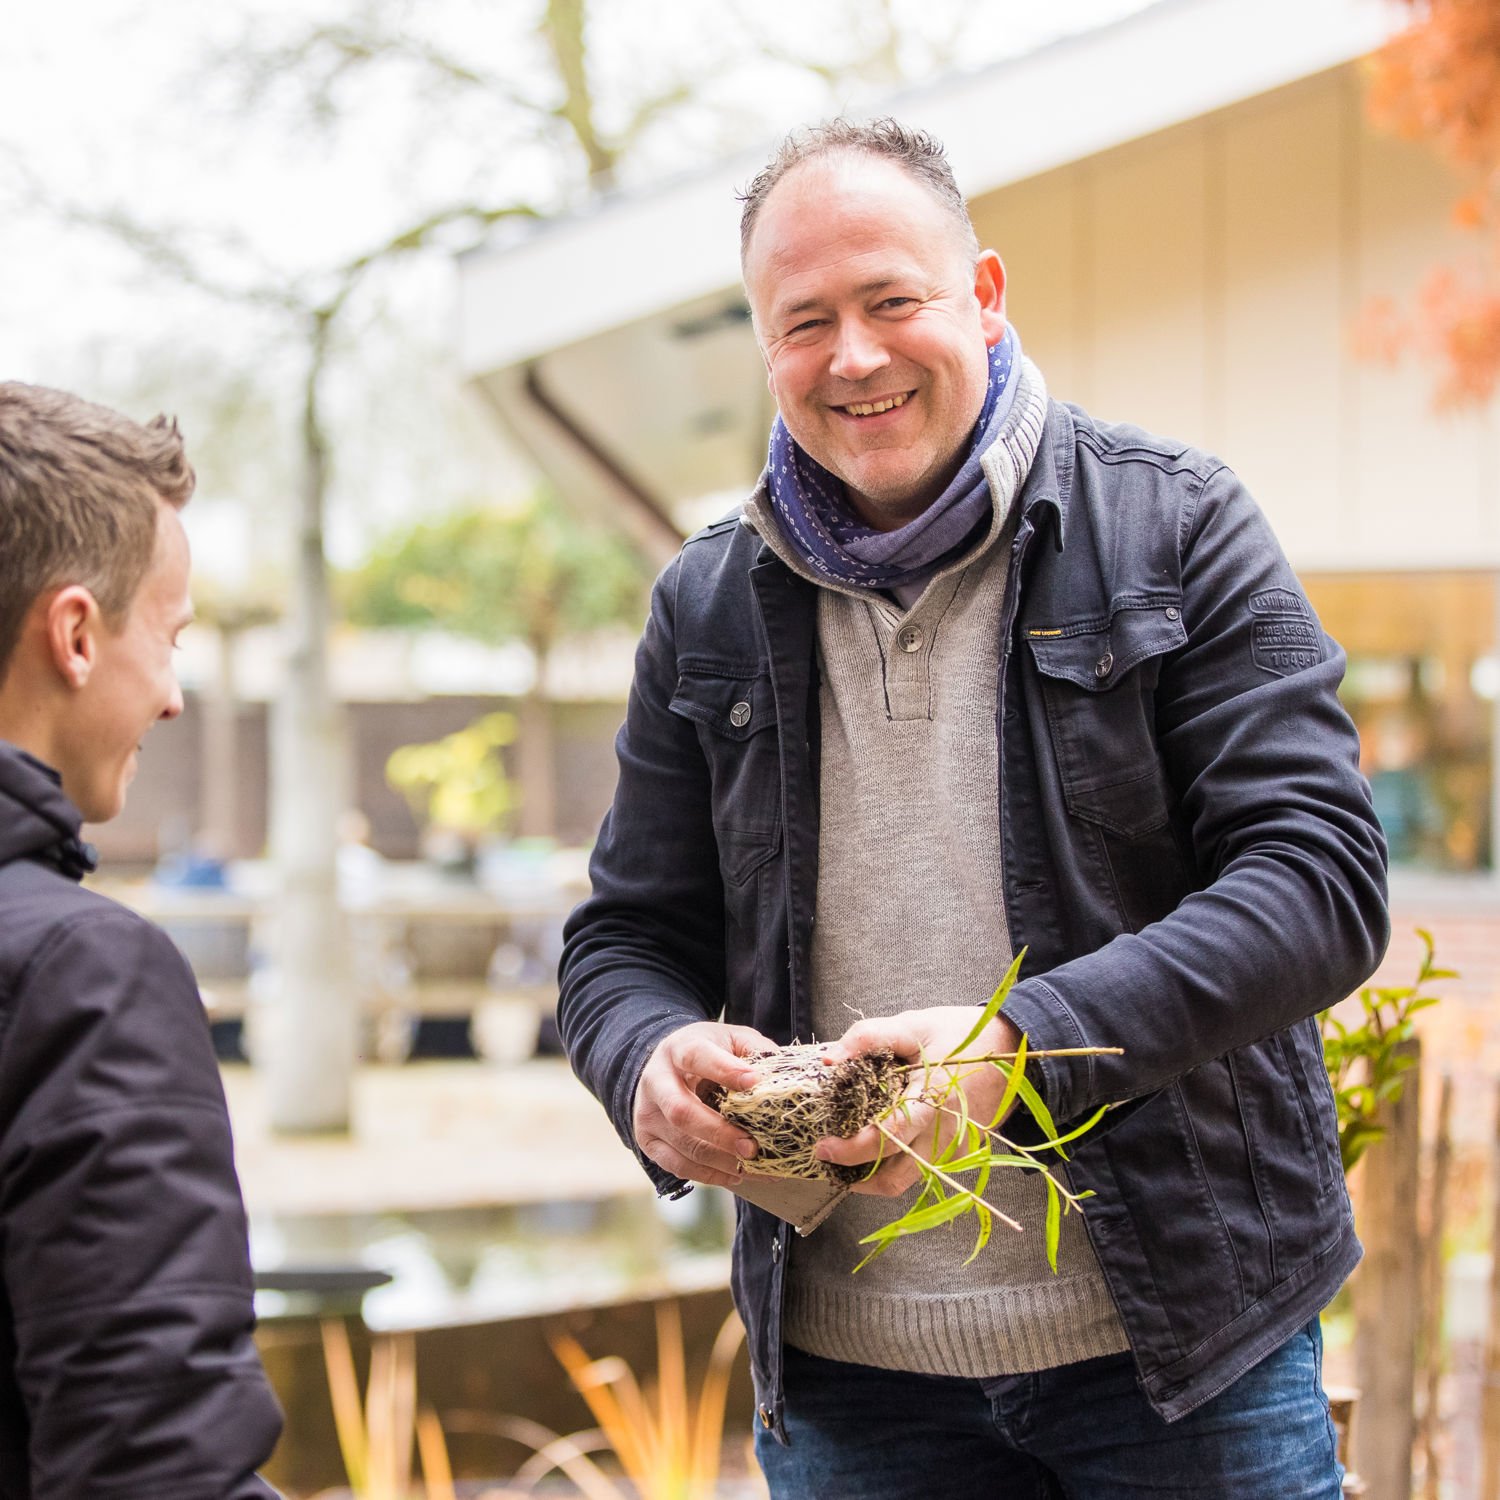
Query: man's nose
[(173, 705), (859, 351)]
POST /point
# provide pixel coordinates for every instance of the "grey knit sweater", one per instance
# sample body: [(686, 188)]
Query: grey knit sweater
[(910, 913)]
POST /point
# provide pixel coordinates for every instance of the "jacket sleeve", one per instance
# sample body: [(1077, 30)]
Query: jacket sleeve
[(1263, 760), (644, 954), (125, 1255)]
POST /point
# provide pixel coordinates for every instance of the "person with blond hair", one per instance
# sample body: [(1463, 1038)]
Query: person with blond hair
[(127, 1365)]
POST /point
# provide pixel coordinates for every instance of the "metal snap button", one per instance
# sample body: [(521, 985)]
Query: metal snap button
[(1104, 665), (775, 1249), (764, 1413), (739, 715), (1174, 614), (910, 638)]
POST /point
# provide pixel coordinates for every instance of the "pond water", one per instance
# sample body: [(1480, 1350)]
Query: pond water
[(480, 1265)]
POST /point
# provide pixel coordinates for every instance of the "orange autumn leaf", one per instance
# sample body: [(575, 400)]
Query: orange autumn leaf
[(1438, 82)]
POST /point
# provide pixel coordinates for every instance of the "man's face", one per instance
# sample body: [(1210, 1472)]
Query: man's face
[(132, 682), (874, 325)]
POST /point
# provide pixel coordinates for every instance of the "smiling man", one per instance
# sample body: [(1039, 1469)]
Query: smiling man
[(973, 672), (126, 1318)]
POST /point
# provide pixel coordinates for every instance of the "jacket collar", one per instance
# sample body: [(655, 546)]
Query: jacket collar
[(1049, 481), (37, 821)]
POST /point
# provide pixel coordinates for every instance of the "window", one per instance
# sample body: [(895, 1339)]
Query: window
[(1422, 684)]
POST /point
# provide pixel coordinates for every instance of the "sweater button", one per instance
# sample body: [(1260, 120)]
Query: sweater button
[(1105, 665), (910, 638)]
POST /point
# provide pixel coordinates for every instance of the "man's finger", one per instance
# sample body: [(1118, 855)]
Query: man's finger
[(702, 1058), (679, 1164)]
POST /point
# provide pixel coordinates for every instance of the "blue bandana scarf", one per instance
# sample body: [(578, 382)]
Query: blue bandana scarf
[(817, 519)]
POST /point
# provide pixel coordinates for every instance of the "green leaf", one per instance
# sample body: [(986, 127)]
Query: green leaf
[(982, 1238), (992, 1010), (1054, 1223), (1035, 1108), (1014, 1072), (1072, 1135)]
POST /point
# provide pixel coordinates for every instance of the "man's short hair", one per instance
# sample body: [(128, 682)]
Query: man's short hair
[(915, 151), (80, 489)]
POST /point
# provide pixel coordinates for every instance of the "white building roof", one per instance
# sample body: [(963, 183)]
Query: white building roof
[(614, 344)]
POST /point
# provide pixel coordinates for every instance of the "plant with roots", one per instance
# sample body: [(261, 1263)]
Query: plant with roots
[(801, 1097)]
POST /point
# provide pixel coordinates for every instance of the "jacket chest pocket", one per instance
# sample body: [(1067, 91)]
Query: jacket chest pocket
[(734, 710), (1098, 681)]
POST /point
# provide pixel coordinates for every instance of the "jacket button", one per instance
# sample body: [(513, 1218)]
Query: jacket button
[(910, 638), (739, 715), (1174, 614), (775, 1249), (1105, 665), (764, 1413)]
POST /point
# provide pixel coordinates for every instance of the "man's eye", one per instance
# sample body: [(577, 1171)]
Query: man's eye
[(898, 302), (804, 327)]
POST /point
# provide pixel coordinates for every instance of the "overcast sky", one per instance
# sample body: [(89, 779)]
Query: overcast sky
[(130, 103)]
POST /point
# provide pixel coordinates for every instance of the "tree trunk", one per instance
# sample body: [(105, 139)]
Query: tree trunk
[(218, 832), (1388, 1297), (1434, 1286), (535, 771), (311, 1042), (1489, 1433)]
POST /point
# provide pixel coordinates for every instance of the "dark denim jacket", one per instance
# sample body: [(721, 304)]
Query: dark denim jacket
[(1190, 859)]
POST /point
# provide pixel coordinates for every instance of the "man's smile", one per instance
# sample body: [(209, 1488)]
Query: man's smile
[(876, 407)]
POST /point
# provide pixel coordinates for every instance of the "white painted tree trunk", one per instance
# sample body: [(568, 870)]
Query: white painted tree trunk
[(311, 1039)]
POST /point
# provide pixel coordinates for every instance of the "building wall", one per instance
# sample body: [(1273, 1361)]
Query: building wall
[(165, 809), (1203, 282)]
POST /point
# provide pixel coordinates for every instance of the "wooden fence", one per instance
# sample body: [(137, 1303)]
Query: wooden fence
[(1426, 1423)]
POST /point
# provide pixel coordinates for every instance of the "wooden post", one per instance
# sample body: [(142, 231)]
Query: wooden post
[(1433, 1288), (1489, 1487), (1387, 1296)]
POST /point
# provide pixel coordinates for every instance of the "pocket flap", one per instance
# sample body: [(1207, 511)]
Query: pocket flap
[(1095, 654), (734, 704)]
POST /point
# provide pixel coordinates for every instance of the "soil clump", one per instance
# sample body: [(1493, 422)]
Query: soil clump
[(801, 1098)]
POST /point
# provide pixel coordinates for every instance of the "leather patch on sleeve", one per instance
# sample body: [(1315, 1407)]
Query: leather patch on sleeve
[(1283, 639)]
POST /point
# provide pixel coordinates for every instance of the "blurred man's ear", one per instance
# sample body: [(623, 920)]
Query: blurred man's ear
[(72, 623), (989, 291)]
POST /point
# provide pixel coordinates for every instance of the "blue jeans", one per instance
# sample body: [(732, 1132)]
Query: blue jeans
[(1080, 1432)]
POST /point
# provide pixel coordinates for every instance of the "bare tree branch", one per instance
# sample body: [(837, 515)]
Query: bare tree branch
[(651, 110), (564, 30), (322, 59), (419, 236)]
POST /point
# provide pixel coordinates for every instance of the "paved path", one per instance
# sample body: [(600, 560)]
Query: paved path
[(434, 1136)]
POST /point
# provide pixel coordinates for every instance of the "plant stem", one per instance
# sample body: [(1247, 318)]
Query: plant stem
[(998, 1057), (952, 1182), (1016, 1150)]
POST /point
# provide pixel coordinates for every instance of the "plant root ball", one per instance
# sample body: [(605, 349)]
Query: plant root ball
[(800, 1098)]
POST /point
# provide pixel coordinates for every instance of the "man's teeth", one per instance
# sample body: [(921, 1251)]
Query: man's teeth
[(873, 408)]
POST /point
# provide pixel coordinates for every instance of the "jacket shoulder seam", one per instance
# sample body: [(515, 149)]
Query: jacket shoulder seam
[(1111, 445), (718, 528)]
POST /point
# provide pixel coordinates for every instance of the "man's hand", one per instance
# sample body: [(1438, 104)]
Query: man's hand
[(915, 1035), (672, 1124)]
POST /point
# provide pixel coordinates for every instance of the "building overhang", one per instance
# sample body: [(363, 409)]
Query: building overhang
[(615, 345)]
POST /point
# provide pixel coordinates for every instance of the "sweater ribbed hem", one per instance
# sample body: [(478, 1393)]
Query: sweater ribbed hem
[(997, 1331)]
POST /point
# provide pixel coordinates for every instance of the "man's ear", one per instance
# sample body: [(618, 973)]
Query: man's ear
[(989, 292), (71, 624)]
